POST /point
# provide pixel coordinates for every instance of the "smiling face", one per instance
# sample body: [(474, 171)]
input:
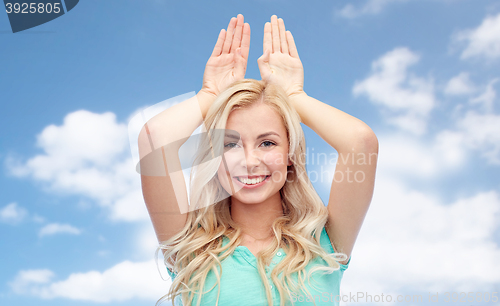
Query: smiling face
[(257, 160)]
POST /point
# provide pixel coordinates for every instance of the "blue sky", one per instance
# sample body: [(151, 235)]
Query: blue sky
[(423, 74)]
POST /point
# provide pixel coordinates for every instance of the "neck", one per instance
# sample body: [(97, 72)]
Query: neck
[(256, 219)]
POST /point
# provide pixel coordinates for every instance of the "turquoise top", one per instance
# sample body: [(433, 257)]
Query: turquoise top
[(241, 283)]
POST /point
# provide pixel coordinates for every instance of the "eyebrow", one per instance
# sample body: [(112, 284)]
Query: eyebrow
[(258, 137)]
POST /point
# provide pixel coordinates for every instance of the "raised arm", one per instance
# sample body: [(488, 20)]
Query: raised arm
[(355, 142), (226, 65)]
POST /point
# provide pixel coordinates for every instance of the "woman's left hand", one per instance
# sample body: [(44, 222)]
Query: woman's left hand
[(280, 64)]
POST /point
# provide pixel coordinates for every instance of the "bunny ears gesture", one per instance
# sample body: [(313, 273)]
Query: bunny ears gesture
[(280, 63)]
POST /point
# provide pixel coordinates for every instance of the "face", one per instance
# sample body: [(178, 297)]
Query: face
[(256, 162)]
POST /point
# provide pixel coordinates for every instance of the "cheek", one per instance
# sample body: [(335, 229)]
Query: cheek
[(276, 160), (222, 175), (231, 160)]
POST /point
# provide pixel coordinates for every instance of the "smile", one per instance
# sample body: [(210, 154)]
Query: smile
[(252, 181)]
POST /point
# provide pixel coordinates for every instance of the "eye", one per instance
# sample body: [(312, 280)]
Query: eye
[(230, 145), (268, 143)]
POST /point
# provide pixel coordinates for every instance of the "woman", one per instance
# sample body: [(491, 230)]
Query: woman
[(256, 232)]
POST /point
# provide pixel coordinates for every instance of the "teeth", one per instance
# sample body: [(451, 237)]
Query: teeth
[(251, 181)]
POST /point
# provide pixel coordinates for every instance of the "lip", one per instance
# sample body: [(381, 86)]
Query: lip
[(251, 176)]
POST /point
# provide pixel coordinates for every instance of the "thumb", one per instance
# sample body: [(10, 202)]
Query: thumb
[(265, 57), (263, 63)]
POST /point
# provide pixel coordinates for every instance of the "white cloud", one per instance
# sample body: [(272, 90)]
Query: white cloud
[(56, 228), (449, 150), (12, 213), (460, 85), (84, 138), (433, 246), (26, 281), (124, 281), (405, 98), (38, 219), (487, 98), (370, 7), (88, 155), (481, 132), (403, 157), (476, 127), (483, 41)]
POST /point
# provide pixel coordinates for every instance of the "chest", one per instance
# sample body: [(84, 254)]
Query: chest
[(241, 283), (255, 246)]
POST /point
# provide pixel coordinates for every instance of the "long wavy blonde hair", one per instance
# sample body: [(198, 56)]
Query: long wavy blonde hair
[(195, 250)]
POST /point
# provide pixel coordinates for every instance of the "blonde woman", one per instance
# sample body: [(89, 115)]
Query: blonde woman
[(254, 231)]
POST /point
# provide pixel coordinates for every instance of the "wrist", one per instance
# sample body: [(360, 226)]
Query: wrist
[(206, 94), (298, 101), (205, 100), (297, 96)]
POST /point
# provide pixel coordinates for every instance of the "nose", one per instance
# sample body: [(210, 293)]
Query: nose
[(252, 159)]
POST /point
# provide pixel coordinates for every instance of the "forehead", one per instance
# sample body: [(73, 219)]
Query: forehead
[(257, 118)]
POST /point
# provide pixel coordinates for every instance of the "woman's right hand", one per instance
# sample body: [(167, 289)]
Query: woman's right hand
[(228, 62)]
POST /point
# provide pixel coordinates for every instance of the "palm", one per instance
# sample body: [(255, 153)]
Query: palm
[(226, 65), (280, 64), (220, 72), (286, 72)]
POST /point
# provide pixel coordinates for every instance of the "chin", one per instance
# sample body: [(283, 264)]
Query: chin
[(249, 200), (255, 198)]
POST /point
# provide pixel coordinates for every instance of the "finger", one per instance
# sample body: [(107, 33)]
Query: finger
[(229, 36), (237, 33), (268, 39), (291, 45), (219, 43), (240, 64), (245, 42), (275, 33), (283, 42)]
